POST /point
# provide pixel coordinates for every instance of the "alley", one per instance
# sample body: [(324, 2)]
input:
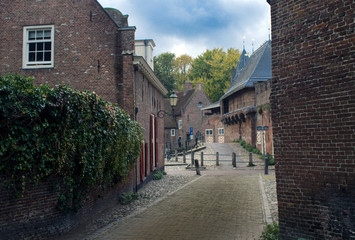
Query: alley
[(218, 206)]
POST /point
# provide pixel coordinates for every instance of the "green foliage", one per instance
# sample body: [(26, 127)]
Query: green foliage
[(265, 107), (127, 198), (64, 133), (270, 232), (248, 147), (158, 175), (213, 69), (182, 65), (271, 159), (164, 70)]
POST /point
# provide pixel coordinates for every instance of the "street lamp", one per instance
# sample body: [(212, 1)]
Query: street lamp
[(173, 102)]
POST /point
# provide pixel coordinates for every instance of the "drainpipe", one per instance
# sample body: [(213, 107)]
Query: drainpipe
[(146, 49)]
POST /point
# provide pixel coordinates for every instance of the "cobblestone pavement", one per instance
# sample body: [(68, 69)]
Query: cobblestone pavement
[(239, 185), (226, 206)]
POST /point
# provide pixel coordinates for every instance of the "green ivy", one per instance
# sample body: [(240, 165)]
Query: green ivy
[(62, 132)]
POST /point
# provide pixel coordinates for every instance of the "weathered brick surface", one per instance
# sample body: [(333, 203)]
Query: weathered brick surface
[(189, 111), (149, 101), (85, 54), (36, 216), (262, 100), (313, 99), (243, 129), (91, 52)]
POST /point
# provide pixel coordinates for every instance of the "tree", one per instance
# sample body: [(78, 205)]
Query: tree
[(164, 70), (182, 66), (212, 68)]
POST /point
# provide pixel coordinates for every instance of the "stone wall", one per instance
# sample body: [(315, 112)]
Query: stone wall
[(312, 100)]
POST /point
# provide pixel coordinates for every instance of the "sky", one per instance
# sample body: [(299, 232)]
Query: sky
[(193, 26)]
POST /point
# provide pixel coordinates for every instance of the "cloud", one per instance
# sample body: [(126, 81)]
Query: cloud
[(194, 26)]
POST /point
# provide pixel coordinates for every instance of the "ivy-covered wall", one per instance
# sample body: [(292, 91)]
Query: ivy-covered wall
[(72, 141)]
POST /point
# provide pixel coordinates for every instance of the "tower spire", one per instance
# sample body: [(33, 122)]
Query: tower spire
[(243, 42)]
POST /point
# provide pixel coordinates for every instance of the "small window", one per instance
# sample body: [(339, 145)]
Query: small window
[(38, 47), (220, 131), (180, 124), (199, 104), (173, 132), (209, 132)]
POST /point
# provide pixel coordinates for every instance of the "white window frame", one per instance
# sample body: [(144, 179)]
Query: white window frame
[(26, 64), (173, 132), (180, 124), (209, 132), (220, 131)]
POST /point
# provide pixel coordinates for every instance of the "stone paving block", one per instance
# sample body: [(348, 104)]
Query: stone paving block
[(213, 207)]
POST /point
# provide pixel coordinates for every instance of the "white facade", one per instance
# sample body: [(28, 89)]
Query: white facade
[(144, 48)]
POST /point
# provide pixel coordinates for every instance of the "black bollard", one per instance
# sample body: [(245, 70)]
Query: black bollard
[(197, 168), (234, 160), (267, 164)]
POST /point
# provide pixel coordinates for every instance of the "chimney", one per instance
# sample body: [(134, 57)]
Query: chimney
[(199, 86), (187, 86)]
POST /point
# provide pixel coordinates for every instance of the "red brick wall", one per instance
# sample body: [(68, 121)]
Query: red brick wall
[(191, 116), (36, 216), (313, 99), (88, 55), (80, 44), (242, 130), (262, 99), (149, 100)]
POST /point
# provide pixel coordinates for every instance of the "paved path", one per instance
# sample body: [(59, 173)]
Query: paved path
[(218, 206)]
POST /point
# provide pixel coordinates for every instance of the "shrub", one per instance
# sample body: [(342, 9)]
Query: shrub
[(127, 198), (62, 132), (248, 147), (270, 232), (158, 175)]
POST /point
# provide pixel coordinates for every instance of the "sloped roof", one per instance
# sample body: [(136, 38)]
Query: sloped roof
[(243, 59), (183, 99), (256, 69), (212, 105)]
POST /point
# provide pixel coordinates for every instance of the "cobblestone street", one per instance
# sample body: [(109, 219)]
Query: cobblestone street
[(223, 203), (212, 207)]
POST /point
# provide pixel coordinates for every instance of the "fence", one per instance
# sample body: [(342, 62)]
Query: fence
[(216, 159)]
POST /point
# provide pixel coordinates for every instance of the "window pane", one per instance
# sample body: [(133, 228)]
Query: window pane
[(31, 35), (32, 47), (39, 46), (31, 57), (39, 34), (47, 56), (47, 46), (47, 34), (39, 56)]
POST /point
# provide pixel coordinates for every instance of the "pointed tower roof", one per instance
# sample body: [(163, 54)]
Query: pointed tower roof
[(243, 59), (257, 68)]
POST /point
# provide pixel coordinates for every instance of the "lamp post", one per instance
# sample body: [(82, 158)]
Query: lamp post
[(173, 102)]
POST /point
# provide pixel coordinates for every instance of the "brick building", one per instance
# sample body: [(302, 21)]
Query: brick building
[(245, 105), (187, 117), (313, 106), (80, 44)]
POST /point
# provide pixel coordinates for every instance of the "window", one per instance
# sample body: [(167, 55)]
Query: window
[(220, 131), (209, 132), (38, 47), (180, 124), (172, 132), (199, 104)]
